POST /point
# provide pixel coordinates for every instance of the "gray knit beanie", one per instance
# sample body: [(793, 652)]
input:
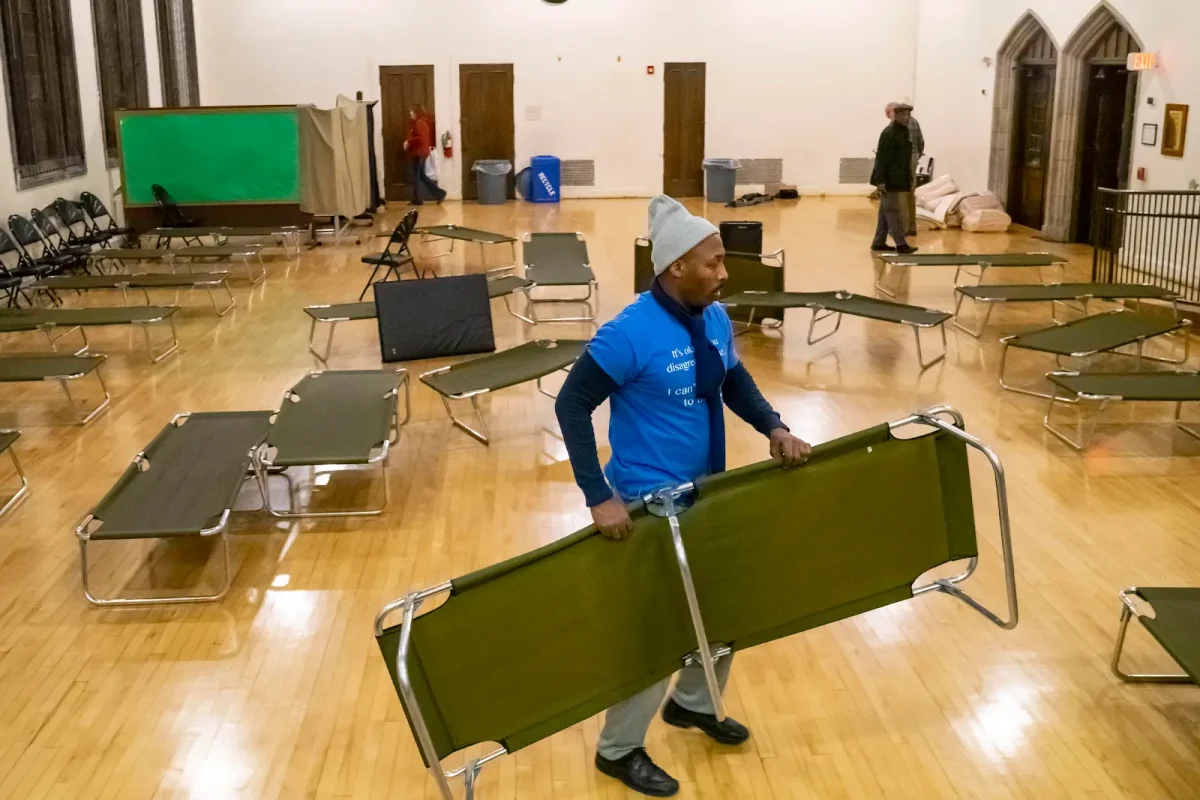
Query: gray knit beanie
[(674, 231)]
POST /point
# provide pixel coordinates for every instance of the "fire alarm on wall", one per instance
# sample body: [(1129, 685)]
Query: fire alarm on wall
[(650, 70)]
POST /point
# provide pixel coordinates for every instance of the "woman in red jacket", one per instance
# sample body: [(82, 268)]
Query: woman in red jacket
[(418, 146)]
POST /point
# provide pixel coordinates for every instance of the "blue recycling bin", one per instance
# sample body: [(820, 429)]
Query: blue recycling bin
[(547, 179)]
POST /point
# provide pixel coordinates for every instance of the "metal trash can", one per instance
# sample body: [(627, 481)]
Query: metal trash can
[(720, 178), (491, 178)]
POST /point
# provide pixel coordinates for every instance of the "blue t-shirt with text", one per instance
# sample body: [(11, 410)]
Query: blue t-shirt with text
[(659, 428)]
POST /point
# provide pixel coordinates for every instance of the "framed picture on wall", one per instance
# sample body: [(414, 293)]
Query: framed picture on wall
[(1174, 130), (1149, 133)]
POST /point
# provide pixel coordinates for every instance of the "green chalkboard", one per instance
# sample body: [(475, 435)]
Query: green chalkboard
[(211, 156)]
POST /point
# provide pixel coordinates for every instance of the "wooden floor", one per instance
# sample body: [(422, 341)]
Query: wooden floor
[(279, 690)]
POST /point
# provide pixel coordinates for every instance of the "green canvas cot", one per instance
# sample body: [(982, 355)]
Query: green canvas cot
[(763, 553)]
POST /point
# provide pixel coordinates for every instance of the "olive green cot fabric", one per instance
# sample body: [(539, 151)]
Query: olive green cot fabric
[(130, 254), (526, 362), (1145, 386), (27, 319), (1094, 334), (773, 300), (842, 302), (1042, 292), (466, 234), (334, 418), (195, 472), (218, 251), (528, 647), (1177, 624), (341, 312), (220, 230), (557, 259), (8, 438), (499, 287), (146, 280), (747, 273), (17, 369), (975, 259)]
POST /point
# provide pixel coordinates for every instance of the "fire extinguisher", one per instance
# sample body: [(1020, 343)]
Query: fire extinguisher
[(447, 145)]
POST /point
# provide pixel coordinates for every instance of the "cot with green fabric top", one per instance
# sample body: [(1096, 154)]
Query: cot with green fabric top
[(501, 286), (61, 369), (825, 305), (748, 272), (145, 282), (1087, 337), (1173, 623), (288, 236), (558, 261), (458, 233), (49, 320), (7, 439), (182, 485), (338, 418), (1054, 293), (961, 261), (1102, 388), (470, 380), (762, 553), (188, 255)]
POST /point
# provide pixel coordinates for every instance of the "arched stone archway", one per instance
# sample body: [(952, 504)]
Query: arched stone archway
[(1070, 91), (1025, 33)]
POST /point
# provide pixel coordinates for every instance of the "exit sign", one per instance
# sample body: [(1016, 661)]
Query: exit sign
[(1142, 61)]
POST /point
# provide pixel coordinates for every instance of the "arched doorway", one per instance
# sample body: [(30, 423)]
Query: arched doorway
[(1022, 115), (1092, 123)]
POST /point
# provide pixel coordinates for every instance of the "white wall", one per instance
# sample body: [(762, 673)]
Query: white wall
[(802, 80), (96, 180), (954, 87)]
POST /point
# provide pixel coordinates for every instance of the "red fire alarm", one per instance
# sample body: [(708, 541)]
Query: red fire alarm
[(1141, 173), (650, 70)]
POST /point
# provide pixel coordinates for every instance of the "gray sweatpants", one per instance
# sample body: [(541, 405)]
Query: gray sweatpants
[(891, 219), (626, 723)]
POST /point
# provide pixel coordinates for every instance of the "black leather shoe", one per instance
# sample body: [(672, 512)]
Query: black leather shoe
[(639, 773), (882, 248), (728, 732), (906, 250)]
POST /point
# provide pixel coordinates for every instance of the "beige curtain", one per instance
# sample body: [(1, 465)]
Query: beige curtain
[(334, 174)]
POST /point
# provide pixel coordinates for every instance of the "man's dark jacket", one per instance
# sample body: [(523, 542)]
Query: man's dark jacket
[(893, 160)]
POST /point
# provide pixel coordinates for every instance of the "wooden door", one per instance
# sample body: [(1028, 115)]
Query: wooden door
[(486, 103), (1105, 137), (683, 130), (401, 88), (1027, 188)]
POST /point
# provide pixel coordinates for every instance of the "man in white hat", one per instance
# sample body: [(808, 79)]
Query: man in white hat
[(667, 366)]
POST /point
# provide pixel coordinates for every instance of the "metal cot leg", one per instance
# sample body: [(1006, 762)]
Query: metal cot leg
[(820, 314), (225, 585), (978, 332), (84, 417), (916, 329), (150, 348), (481, 435), (312, 332), (1082, 438), (1128, 611), (221, 311), (1179, 423), (22, 491)]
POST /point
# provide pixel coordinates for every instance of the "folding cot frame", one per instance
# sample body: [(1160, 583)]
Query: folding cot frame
[(707, 653), (482, 435), (8, 438), (145, 282), (591, 299), (21, 323), (1128, 612), (87, 364), (459, 233), (1083, 293), (263, 466), (1180, 325), (287, 236), (822, 309), (501, 286), (1083, 435), (188, 256), (984, 262)]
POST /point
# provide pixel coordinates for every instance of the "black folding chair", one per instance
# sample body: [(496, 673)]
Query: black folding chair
[(396, 256), (37, 258), (15, 270), (56, 238), (102, 221), (172, 217), (76, 226)]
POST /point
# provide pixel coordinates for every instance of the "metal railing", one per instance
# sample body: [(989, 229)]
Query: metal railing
[(1148, 237)]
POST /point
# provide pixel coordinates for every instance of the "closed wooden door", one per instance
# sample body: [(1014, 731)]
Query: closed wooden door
[(401, 88), (683, 130), (1107, 120), (486, 100), (1027, 189)]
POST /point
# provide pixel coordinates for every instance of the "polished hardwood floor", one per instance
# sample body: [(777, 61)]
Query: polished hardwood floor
[(279, 691)]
